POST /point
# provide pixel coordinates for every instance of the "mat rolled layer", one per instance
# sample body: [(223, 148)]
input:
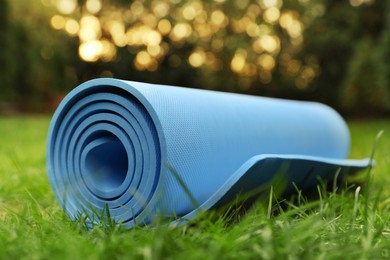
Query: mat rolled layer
[(141, 150)]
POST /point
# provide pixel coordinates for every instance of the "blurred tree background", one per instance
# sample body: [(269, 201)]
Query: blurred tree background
[(332, 51)]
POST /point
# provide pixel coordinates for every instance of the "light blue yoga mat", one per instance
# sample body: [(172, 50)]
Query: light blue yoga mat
[(142, 150)]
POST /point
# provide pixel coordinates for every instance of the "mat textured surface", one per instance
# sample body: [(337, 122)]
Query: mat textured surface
[(142, 149)]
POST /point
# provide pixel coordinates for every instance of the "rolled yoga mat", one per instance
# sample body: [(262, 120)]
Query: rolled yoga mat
[(141, 150)]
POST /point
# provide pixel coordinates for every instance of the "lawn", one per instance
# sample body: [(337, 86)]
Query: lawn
[(350, 223)]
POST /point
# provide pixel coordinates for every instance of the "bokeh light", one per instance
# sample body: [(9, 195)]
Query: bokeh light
[(66, 6), (360, 2), (72, 27), (271, 3), (271, 15), (93, 6), (164, 26), (238, 62), (90, 28), (91, 50), (197, 58), (57, 22), (266, 61), (153, 31)]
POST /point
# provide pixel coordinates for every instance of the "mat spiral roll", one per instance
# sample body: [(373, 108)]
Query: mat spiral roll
[(112, 144)]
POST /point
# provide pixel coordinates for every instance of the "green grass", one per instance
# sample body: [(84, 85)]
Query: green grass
[(350, 224)]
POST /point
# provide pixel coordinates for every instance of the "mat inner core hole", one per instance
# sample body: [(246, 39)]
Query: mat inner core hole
[(106, 163)]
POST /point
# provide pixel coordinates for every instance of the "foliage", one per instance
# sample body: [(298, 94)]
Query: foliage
[(348, 223), (38, 60), (350, 45), (4, 21), (333, 51)]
